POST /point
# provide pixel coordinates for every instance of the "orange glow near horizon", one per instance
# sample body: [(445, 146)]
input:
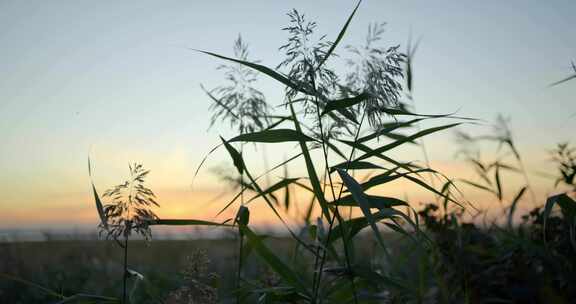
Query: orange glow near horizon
[(78, 210)]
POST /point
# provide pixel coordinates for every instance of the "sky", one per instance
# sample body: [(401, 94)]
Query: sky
[(118, 81)]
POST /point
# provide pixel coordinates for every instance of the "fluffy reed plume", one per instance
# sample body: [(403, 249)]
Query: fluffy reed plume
[(565, 158), (304, 54), (195, 290), (377, 71), (129, 207), (239, 102)]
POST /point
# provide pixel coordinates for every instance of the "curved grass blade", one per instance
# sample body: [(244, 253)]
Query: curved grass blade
[(397, 136), (389, 127), (404, 112), (431, 189), (279, 165), (185, 222), (239, 163), (280, 120), (64, 299), (286, 190), (277, 186), (311, 170), (374, 201), (346, 113), (204, 159), (380, 150), (263, 69), (86, 298), (31, 284), (409, 72), (355, 225), (217, 101), (359, 165), (272, 136), (514, 204), (360, 198), (388, 176), (257, 178), (231, 202), (563, 80), (99, 205), (498, 183), (340, 36), (335, 149), (366, 149), (476, 185), (342, 104), (283, 270)]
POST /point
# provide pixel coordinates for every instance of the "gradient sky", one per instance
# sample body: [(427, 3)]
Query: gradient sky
[(116, 80)]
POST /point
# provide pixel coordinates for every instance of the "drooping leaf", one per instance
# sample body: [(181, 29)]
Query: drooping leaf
[(263, 69), (344, 103), (236, 157), (360, 198), (312, 175)]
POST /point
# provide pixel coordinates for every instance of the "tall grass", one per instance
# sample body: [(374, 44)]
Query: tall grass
[(325, 115)]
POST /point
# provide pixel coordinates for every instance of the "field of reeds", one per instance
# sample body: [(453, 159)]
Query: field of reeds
[(352, 244)]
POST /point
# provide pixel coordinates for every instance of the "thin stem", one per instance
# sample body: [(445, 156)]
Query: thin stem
[(240, 236), (239, 274), (125, 277), (317, 253), (336, 214), (527, 180), (323, 258)]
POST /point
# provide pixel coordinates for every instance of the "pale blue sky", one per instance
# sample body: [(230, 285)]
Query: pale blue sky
[(116, 78)]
